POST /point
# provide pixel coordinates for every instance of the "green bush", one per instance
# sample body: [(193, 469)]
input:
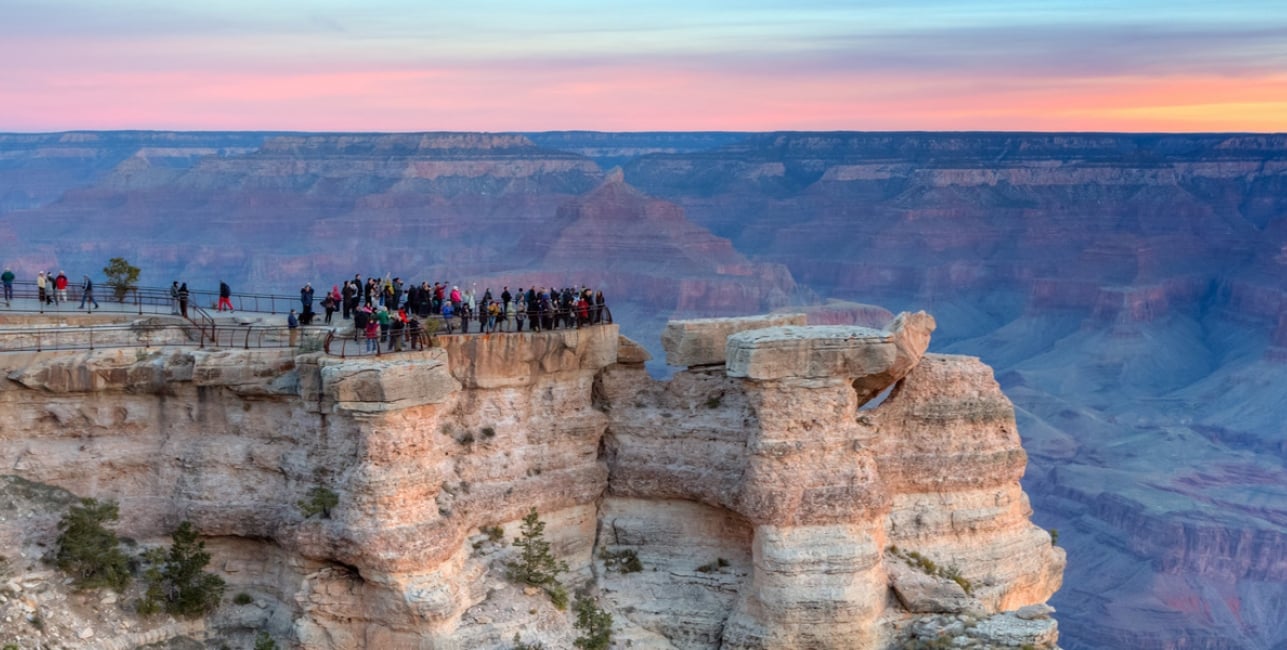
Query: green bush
[(320, 502), (177, 581), (594, 623), (1054, 536), (536, 564), (495, 534), (265, 642), (88, 551), (243, 598), (520, 645), (623, 561)]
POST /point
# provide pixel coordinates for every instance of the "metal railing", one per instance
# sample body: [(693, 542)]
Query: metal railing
[(354, 342), (158, 335), (141, 300)]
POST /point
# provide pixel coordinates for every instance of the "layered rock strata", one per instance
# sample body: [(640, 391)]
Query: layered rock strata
[(764, 498)]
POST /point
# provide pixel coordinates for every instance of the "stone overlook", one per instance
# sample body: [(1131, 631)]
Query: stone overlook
[(772, 502)]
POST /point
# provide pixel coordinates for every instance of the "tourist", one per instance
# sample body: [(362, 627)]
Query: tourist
[(414, 334), (87, 293), (60, 288), (306, 297), (225, 297), (41, 288), (328, 303), (174, 298), (183, 300), (372, 334), (7, 278), (447, 314), (292, 324)]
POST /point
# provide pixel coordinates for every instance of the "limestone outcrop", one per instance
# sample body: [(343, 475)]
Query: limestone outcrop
[(770, 502), (827, 492), (703, 341)]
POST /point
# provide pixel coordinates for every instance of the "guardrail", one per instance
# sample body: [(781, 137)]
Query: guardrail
[(153, 335), (355, 343)]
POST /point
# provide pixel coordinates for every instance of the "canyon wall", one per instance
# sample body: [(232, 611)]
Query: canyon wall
[(772, 504), (1127, 288)]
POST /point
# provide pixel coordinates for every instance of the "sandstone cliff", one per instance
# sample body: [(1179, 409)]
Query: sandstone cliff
[(773, 501)]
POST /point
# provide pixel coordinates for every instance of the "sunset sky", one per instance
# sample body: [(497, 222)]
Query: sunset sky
[(532, 65)]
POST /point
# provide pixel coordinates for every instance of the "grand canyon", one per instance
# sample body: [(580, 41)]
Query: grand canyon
[(1127, 290)]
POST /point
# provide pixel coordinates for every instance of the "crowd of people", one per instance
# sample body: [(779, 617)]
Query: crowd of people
[(389, 311), (51, 289)]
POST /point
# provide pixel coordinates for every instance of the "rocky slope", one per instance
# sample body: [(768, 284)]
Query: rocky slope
[(772, 502)]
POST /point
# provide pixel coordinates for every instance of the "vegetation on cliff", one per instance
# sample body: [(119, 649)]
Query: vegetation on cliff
[(88, 551), (536, 565), (177, 581)]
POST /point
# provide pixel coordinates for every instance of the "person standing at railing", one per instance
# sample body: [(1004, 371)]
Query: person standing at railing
[(414, 333), (7, 278), (382, 316), (174, 298), (60, 287), (87, 293), (225, 297), (372, 335), (41, 288), (349, 301), (306, 298), (292, 325), (328, 303), (183, 300)]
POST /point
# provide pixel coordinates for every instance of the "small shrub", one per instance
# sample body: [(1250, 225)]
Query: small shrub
[(623, 561), (594, 623), (265, 642), (714, 401), (243, 598), (1054, 536), (38, 622), (519, 644), (495, 534), (320, 502), (489, 432), (11, 646), (929, 567), (466, 439), (88, 551)]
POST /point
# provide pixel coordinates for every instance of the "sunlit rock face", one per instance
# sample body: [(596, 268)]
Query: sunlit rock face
[(769, 509)]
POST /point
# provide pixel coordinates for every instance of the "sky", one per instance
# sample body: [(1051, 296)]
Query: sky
[(647, 65)]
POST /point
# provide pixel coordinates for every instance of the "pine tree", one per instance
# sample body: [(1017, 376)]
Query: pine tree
[(594, 623), (180, 584), (194, 591), (88, 551), (536, 565)]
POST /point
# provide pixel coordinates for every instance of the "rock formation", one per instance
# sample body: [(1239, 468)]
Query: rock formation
[(771, 502)]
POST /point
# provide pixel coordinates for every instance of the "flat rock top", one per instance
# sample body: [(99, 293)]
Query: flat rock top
[(845, 334), (702, 341)]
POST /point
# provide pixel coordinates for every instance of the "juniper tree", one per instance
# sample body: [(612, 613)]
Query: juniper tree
[(88, 551)]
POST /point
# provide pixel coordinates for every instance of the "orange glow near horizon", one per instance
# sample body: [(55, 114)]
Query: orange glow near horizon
[(643, 99)]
